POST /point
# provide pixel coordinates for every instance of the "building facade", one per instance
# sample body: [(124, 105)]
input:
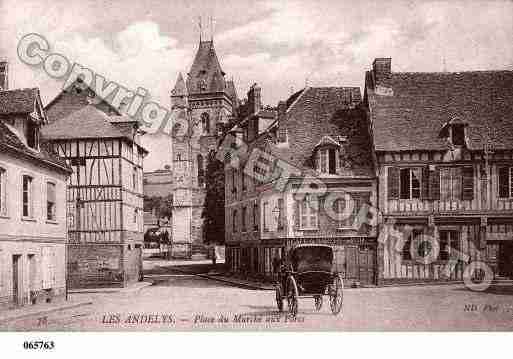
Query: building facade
[(203, 105), (33, 232), (314, 173), (105, 191), (443, 144)]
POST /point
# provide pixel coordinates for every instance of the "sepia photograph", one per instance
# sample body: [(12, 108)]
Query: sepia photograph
[(276, 166)]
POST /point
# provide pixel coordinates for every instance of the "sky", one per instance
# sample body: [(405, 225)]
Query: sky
[(281, 45)]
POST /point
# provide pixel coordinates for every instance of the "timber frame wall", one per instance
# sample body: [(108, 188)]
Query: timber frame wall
[(481, 220), (105, 210)]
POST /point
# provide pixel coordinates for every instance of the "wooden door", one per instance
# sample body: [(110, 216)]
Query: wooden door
[(492, 254)]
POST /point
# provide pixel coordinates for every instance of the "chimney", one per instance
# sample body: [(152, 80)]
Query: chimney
[(382, 68), (282, 115), (4, 79)]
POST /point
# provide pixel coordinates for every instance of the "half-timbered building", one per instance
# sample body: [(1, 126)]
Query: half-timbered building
[(32, 205), (105, 191), (444, 152), (314, 173)]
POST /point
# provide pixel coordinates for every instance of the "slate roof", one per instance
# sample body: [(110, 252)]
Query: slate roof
[(19, 101), (180, 89), (409, 109), (9, 141), (205, 67), (88, 122)]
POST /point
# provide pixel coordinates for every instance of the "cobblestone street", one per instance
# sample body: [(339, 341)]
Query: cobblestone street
[(178, 301)]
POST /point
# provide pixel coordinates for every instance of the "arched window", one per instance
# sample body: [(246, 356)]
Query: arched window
[(205, 122), (201, 171)]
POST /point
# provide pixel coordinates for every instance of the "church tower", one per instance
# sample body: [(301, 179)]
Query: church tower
[(206, 102)]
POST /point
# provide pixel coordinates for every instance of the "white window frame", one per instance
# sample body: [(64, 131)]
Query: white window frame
[(341, 214), (411, 169), (30, 197), (308, 208), (323, 154)]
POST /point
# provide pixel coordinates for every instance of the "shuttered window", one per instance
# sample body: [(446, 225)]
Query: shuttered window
[(50, 202), (505, 183), (467, 174), (393, 183)]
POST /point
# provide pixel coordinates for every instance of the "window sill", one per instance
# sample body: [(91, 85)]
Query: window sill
[(308, 228), (346, 229), (28, 219), (4, 216), (49, 221)]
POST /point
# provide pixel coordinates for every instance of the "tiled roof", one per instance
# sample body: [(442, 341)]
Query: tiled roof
[(205, 67), (321, 112), (9, 141), (408, 110), (20, 101), (88, 122)]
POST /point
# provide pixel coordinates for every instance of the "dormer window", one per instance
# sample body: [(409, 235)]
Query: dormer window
[(32, 134), (327, 160), (458, 134), (455, 131)]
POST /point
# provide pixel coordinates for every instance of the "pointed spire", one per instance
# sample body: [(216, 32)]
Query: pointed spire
[(180, 89)]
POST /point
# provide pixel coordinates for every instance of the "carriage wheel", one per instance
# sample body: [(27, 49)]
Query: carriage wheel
[(336, 295), (318, 302), (292, 296), (279, 298)]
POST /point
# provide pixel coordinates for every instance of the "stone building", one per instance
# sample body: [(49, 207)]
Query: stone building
[(105, 191), (303, 179), (33, 231), (204, 104), (444, 149)]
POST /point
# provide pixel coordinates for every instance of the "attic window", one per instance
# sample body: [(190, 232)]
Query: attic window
[(32, 134), (326, 160), (458, 134)]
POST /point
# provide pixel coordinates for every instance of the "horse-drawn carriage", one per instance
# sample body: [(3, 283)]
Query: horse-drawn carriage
[(307, 272)]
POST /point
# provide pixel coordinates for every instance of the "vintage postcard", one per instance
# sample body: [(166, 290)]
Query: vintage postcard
[(255, 165)]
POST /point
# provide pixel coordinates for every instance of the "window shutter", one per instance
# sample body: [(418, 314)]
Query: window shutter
[(296, 214), (504, 182), (467, 185), (393, 183), (434, 184), (424, 194)]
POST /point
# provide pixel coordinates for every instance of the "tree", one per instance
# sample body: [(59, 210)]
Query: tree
[(163, 206), (213, 210)]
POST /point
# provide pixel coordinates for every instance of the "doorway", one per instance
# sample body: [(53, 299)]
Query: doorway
[(505, 259), (16, 280), (360, 264)]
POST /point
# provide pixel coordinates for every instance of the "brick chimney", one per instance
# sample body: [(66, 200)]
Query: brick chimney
[(382, 68), (254, 99), (282, 115), (4, 75)]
